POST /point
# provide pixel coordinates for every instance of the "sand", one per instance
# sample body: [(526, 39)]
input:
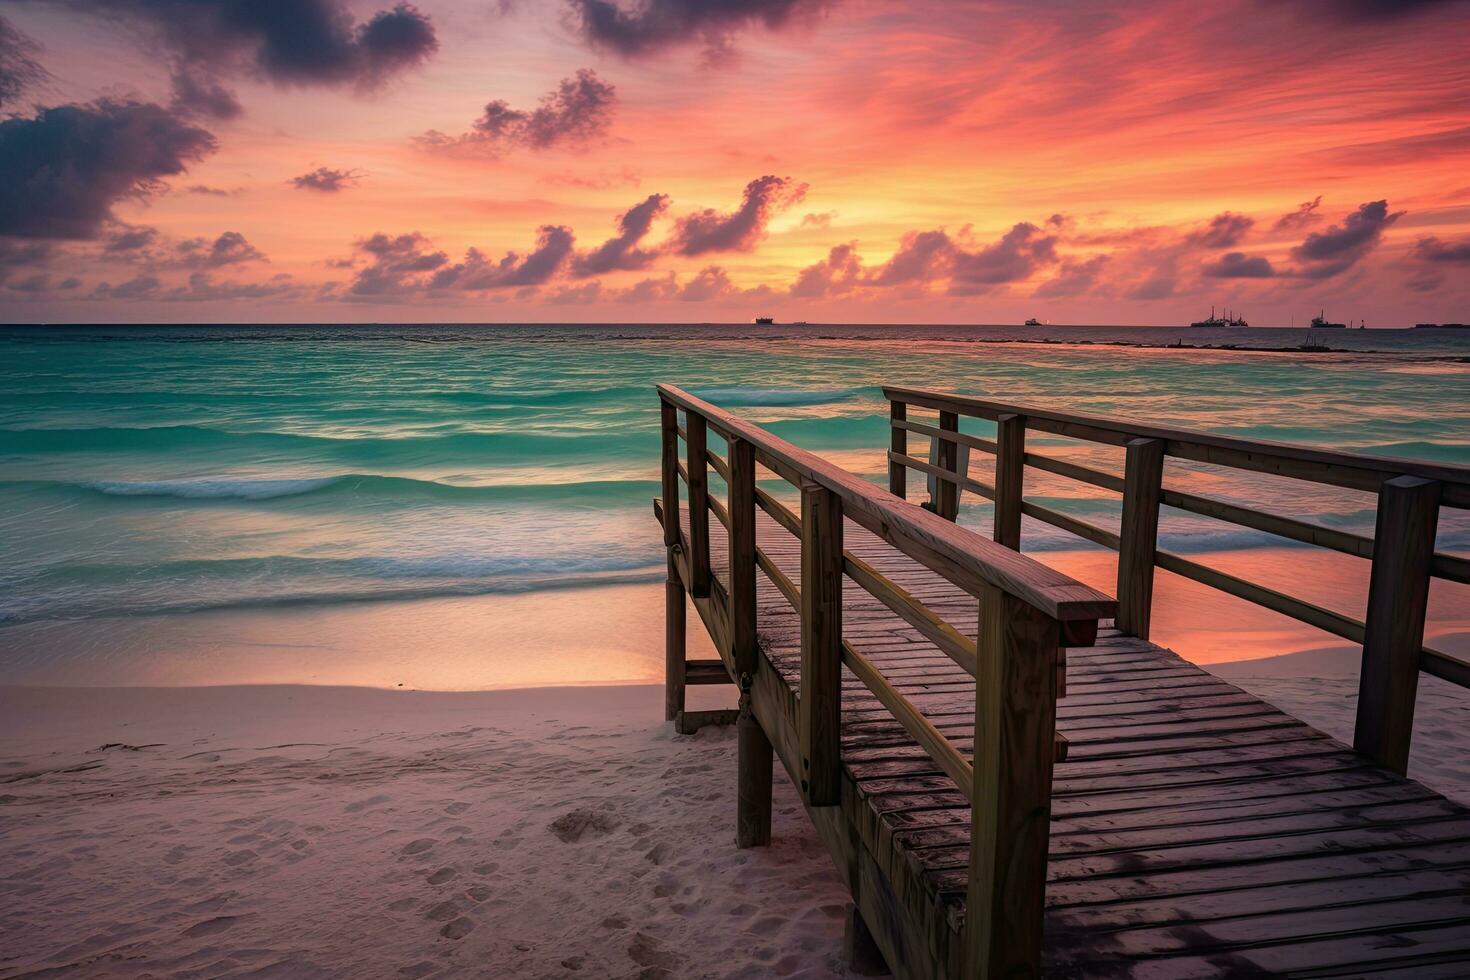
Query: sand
[(552, 833), (298, 831)]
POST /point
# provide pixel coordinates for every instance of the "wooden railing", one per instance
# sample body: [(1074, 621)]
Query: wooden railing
[(1027, 612), (1402, 550)]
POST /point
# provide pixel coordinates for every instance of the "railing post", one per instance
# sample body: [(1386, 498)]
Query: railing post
[(669, 472), (1398, 597), (820, 705), (1010, 822), (674, 638), (753, 778), (898, 441), (698, 466), (1143, 477), (742, 557), (947, 493), (1010, 478)]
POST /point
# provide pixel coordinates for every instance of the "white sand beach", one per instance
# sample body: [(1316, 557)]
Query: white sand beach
[(297, 831)]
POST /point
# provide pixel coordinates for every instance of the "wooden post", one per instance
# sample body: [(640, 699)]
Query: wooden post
[(946, 493), (669, 474), (742, 557), (820, 705), (753, 777), (898, 441), (1143, 478), (698, 465), (674, 647), (1398, 596), (1010, 478), (1010, 823)]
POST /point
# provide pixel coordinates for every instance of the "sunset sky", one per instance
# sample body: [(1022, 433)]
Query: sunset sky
[(691, 160)]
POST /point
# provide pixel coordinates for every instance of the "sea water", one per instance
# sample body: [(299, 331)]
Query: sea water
[(195, 495)]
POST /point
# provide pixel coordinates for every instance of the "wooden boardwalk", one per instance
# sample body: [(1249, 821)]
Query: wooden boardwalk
[(1196, 830), (1011, 787)]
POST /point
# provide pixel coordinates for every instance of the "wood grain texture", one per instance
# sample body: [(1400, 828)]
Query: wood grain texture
[(674, 639), (1195, 830), (1010, 479), (898, 442), (821, 645), (1143, 482), (1393, 633), (741, 529), (698, 479)]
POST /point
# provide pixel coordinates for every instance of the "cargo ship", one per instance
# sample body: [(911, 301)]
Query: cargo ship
[(1319, 322), (1224, 320)]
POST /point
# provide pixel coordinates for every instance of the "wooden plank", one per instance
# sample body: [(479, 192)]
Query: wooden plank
[(669, 471), (946, 495), (1393, 635), (1015, 721), (698, 479), (1010, 477), (820, 695), (741, 556), (753, 777), (674, 637), (706, 672), (955, 552), (1356, 471), (898, 443), (1143, 476), (689, 722)]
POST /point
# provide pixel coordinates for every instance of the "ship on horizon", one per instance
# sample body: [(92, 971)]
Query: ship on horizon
[(1319, 322), (1226, 319), (1032, 322), (765, 321)]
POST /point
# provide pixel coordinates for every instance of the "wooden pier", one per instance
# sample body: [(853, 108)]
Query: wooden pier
[(1010, 789)]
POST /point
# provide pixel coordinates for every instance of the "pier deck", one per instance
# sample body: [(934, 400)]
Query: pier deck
[(1192, 828)]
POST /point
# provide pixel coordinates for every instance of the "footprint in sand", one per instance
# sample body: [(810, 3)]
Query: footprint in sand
[(573, 826), (457, 929), (442, 875), (417, 846), (236, 858), (455, 809), (444, 911), (361, 805), (210, 927)]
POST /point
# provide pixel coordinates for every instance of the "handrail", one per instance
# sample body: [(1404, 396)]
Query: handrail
[(964, 558), (1402, 553), (1349, 470), (1027, 613)]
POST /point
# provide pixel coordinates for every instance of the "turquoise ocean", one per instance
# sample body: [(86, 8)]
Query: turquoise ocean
[(155, 479)]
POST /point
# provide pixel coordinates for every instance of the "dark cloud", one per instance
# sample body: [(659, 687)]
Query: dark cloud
[(554, 245), (19, 69), (201, 288), (1326, 253), (66, 167), (1434, 249), (622, 251), (124, 239), (230, 248), (578, 111), (650, 290), (18, 255), (1238, 265), (41, 284), (1374, 11), (652, 25), (712, 282), (327, 180), (739, 231), (139, 287), (1304, 215), (821, 219), (1075, 277), (1223, 231), (587, 292), (208, 191), (840, 272), (1019, 253), (290, 42), (922, 256), (395, 264)]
